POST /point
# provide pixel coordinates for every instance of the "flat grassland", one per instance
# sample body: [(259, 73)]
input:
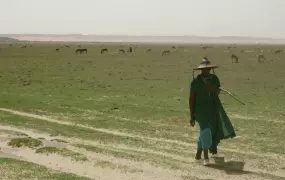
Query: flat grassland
[(120, 116)]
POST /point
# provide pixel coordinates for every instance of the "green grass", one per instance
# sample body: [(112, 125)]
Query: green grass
[(145, 94), (63, 152), (64, 130), (11, 169), (12, 133), (27, 142)]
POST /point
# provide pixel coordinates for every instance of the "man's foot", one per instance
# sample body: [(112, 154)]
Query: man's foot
[(198, 157), (215, 155), (206, 154), (198, 154), (206, 162), (214, 151), (198, 161)]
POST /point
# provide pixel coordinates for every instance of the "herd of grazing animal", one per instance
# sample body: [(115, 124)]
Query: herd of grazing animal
[(235, 59), (260, 56)]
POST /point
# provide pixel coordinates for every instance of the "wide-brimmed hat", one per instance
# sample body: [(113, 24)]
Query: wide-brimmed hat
[(205, 64)]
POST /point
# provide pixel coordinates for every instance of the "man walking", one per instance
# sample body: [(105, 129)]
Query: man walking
[(207, 110)]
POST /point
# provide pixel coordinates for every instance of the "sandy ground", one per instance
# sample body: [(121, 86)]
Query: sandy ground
[(135, 170)]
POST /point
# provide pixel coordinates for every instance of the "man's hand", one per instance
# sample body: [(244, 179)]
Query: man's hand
[(192, 121)]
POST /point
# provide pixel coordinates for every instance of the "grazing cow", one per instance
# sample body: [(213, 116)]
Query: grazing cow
[(165, 53), (57, 49), (104, 50), (84, 50), (122, 51), (81, 51), (235, 58), (23, 46), (78, 50)]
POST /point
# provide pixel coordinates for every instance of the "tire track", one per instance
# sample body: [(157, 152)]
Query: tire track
[(113, 132), (196, 170), (117, 133)]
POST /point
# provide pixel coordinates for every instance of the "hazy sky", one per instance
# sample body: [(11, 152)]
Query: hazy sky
[(263, 18)]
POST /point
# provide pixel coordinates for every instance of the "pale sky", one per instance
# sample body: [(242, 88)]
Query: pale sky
[(259, 18)]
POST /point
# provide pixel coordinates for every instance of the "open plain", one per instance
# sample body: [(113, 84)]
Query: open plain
[(116, 116)]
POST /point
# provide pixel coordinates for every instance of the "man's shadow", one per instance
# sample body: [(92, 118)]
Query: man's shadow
[(230, 167)]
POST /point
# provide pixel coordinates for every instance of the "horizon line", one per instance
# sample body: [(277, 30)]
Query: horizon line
[(82, 34)]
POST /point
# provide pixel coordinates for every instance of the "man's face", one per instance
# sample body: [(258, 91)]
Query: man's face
[(206, 71)]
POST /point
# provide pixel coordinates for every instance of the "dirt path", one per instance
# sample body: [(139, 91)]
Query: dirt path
[(88, 169), (113, 132), (141, 170), (147, 171), (91, 168), (117, 133)]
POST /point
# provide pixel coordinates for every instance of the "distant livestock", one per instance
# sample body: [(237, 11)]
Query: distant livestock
[(104, 50), (81, 51), (165, 53), (235, 58)]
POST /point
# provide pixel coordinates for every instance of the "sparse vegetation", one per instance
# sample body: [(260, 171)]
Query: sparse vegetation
[(27, 142), (63, 152)]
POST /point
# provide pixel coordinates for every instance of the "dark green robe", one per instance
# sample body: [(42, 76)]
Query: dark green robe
[(209, 111)]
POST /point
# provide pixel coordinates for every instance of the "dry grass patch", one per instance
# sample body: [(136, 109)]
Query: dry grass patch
[(27, 142), (63, 152)]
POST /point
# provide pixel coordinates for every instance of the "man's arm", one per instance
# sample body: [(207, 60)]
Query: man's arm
[(192, 97)]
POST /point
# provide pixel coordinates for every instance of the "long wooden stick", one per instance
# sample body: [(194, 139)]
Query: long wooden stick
[(232, 96)]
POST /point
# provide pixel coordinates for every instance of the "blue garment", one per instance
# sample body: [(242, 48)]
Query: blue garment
[(205, 139)]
